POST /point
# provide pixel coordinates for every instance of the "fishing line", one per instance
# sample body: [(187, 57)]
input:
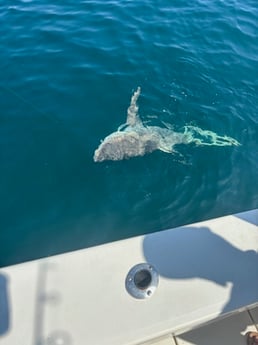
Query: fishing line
[(58, 123), (25, 101)]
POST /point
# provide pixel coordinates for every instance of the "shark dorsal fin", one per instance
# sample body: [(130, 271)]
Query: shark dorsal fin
[(132, 112)]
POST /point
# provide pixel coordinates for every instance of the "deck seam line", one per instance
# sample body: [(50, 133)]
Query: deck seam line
[(251, 317), (175, 338)]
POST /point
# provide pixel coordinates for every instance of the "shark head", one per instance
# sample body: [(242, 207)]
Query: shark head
[(124, 145)]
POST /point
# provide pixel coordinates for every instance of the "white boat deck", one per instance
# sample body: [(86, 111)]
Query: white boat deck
[(206, 271)]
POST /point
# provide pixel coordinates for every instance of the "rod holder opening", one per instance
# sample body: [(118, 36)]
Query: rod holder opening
[(141, 281)]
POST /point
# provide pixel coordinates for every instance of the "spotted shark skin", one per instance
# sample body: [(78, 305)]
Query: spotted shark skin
[(134, 138)]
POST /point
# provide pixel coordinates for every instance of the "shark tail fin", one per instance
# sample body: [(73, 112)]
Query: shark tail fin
[(132, 112)]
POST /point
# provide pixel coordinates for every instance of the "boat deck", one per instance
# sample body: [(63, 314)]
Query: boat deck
[(208, 278), (229, 330)]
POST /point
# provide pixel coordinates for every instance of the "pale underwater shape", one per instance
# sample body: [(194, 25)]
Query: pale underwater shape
[(134, 139)]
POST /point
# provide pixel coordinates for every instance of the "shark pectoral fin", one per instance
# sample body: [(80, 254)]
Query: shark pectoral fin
[(122, 127), (165, 148), (166, 143)]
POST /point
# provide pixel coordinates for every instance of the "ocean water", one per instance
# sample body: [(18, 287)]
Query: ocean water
[(68, 70)]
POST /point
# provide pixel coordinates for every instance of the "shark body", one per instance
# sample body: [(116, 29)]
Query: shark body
[(134, 139)]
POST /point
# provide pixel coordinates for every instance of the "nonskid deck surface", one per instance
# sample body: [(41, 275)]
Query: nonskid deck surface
[(230, 330)]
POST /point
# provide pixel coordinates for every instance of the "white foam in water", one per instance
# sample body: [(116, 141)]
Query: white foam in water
[(205, 137)]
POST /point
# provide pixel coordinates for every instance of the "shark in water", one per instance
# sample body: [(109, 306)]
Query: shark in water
[(134, 138)]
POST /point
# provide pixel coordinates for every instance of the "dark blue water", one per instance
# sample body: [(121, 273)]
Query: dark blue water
[(67, 74)]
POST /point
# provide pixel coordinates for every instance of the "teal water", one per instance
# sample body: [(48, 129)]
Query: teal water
[(68, 72)]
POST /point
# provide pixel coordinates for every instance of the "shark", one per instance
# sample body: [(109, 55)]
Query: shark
[(134, 138)]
